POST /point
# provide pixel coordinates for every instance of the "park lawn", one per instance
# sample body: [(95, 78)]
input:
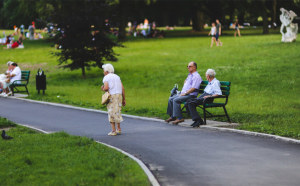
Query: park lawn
[(263, 71), (32, 158)]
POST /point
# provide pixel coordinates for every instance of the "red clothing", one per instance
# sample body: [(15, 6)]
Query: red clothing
[(15, 45)]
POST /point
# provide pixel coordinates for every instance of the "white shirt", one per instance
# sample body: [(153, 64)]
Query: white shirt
[(114, 83), (18, 74), (213, 31), (213, 87)]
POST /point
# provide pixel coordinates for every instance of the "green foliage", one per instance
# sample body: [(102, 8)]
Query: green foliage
[(6, 123), (83, 40), (60, 159)]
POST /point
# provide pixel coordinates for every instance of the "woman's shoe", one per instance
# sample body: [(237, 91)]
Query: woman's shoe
[(118, 132), (112, 133)]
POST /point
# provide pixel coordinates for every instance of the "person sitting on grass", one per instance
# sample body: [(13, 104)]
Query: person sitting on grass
[(189, 90), (213, 89)]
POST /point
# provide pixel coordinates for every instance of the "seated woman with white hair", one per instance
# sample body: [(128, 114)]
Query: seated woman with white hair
[(213, 89), (112, 84), (4, 80)]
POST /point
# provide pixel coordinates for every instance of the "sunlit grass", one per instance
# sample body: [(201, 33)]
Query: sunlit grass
[(31, 158), (264, 73)]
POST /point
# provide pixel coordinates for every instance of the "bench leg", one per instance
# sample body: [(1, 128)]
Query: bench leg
[(27, 90), (204, 113), (12, 90), (226, 114)]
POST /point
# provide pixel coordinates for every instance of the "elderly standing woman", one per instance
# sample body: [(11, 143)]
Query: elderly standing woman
[(112, 84)]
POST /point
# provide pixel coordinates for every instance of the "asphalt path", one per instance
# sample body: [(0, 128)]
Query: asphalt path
[(176, 155)]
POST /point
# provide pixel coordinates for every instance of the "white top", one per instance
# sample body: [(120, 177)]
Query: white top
[(213, 31), (18, 74), (114, 83), (213, 87)]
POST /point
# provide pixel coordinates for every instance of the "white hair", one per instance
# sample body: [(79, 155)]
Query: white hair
[(9, 63), (108, 68), (211, 73)]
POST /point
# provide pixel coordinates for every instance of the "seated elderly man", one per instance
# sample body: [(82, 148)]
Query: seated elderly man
[(212, 90), (189, 90)]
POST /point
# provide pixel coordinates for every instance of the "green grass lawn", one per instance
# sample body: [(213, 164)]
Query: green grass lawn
[(264, 73), (32, 158)]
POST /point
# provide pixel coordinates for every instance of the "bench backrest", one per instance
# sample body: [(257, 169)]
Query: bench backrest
[(25, 75), (225, 87)]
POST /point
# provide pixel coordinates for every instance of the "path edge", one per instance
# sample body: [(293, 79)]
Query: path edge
[(146, 170), (250, 133)]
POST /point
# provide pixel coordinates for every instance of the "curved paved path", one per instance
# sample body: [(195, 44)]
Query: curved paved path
[(176, 155)]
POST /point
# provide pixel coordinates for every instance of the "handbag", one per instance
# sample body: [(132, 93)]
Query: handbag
[(105, 98), (174, 91)]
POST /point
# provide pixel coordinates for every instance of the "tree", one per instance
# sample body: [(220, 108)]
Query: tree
[(82, 38)]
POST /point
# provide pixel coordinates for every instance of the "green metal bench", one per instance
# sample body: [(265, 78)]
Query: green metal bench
[(219, 101), (21, 83)]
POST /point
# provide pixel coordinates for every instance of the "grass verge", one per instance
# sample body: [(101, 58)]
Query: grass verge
[(32, 158)]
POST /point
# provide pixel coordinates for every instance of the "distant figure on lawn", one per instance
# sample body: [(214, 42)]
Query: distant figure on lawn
[(212, 90), (218, 32), (112, 84), (213, 32), (189, 90), (237, 28)]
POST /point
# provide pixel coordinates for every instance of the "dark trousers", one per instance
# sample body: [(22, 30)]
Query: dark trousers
[(191, 106)]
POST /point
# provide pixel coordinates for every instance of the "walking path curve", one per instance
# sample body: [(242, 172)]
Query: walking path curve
[(176, 155)]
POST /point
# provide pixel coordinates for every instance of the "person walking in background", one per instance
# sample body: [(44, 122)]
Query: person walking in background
[(213, 89), (112, 84), (189, 90), (213, 32), (237, 28), (218, 32)]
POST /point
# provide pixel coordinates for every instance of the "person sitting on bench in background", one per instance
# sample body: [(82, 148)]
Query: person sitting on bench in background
[(189, 90), (212, 90), (16, 74)]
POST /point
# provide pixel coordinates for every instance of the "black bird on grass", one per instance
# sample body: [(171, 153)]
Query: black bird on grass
[(5, 137)]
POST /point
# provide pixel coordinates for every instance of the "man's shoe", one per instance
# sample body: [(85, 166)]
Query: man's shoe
[(194, 123), (170, 119), (178, 121), (197, 123)]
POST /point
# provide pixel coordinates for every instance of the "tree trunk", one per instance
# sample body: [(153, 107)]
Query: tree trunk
[(122, 20), (83, 70), (274, 20), (265, 18), (198, 20)]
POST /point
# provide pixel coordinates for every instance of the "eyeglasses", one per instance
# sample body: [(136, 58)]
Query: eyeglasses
[(189, 66)]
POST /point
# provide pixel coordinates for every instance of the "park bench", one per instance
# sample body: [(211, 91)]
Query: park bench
[(21, 83), (219, 101)]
